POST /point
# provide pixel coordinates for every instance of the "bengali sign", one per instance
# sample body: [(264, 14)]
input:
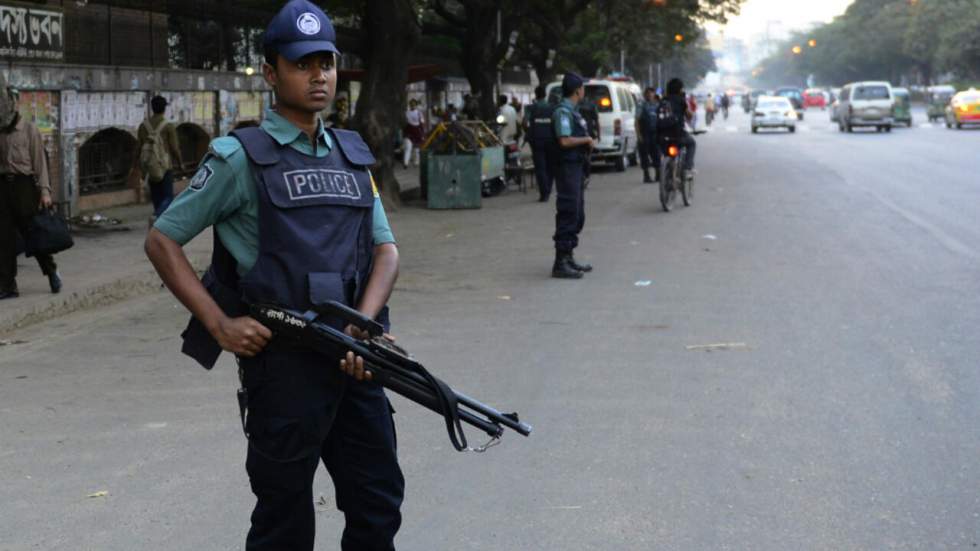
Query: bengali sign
[(31, 33)]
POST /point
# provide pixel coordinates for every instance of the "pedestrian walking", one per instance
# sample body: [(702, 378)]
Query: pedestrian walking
[(298, 222), (414, 134), (571, 133), (544, 146), (159, 150), (646, 130), (25, 189)]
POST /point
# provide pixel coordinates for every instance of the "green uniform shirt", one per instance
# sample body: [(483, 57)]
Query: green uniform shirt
[(562, 118), (223, 194)]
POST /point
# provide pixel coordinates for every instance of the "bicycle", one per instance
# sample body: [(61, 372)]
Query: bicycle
[(671, 178)]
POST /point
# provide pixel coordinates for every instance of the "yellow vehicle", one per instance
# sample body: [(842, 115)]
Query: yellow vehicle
[(964, 108)]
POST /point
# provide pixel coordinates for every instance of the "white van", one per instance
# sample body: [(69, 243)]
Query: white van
[(870, 103), (615, 100)]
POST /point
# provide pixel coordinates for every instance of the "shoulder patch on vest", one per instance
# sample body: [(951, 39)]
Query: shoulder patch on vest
[(201, 178), (352, 145)]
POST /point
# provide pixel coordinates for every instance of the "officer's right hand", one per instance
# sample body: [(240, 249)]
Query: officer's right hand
[(242, 336)]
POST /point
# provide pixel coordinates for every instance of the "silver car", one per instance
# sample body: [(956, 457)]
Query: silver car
[(773, 112), (866, 104)]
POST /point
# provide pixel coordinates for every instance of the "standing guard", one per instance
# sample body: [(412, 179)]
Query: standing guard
[(544, 147), (571, 133), (298, 223)]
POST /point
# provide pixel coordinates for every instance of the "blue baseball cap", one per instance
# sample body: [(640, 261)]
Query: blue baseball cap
[(300, 28), (571, 82)]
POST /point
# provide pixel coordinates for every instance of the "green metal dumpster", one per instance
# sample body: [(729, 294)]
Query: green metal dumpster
[(455, 181)]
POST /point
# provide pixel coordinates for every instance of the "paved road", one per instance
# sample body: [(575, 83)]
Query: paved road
[(848, 419)]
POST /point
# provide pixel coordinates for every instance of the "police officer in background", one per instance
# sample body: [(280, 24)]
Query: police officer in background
[(286, 234), (571, 133), (544, 147), (646, 131)]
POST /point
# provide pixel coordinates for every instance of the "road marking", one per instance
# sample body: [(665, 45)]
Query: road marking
[(926, 125), (731, 129), (803, 128)]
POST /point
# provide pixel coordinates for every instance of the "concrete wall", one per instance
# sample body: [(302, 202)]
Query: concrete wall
[(72, 103)]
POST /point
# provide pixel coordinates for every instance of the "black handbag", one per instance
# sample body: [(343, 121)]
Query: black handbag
[(48, 233)]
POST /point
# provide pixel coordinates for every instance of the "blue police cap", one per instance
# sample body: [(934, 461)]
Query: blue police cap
[(571, 82), (300, 28)]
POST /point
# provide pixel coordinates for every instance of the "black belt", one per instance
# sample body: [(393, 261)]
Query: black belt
[(13, 178)]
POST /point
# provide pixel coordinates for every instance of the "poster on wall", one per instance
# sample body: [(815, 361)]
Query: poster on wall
[(41, 109), (82, 111), (31, 33)]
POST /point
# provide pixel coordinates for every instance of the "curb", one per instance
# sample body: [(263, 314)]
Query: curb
[(145, 283)]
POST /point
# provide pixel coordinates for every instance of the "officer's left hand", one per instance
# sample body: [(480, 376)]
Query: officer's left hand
[(354, 366)]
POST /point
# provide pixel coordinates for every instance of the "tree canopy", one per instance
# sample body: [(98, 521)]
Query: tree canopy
[(894, 40)]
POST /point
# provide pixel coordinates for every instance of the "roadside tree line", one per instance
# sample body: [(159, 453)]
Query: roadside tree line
[(901, 41)]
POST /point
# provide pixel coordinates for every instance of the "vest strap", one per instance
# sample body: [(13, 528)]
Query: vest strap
[(258, 144), (352, 145)]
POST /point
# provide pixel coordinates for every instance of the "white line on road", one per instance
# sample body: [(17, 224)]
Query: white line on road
[(803, 128), (731, 129), (926, 125)]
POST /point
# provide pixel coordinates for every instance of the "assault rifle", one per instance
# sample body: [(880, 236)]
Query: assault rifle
[(390, 365)]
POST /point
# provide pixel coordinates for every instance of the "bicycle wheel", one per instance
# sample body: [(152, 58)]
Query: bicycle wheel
[(686, 185), (666, 174)]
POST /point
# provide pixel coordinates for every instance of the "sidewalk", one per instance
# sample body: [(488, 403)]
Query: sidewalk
[(105, 266), (108, 265)]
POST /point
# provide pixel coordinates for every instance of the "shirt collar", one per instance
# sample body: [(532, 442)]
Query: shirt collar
[(568, 103), (286, 132)]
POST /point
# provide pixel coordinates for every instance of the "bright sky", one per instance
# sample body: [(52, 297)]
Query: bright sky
[(787, 15)]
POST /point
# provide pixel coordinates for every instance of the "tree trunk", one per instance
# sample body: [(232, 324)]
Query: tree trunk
[(478, 56), (390, 37)]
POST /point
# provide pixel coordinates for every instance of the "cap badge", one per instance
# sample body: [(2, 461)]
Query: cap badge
[(308, 24)]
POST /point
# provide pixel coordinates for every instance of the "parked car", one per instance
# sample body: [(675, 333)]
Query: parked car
[(795, 96), (868, 103), (615, 102), (834, 111), (773, 112), (938, 99), (903, 106), (964, 108), (814, 98)]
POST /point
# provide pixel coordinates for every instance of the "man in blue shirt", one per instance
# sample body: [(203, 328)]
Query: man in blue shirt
[(297, 223)]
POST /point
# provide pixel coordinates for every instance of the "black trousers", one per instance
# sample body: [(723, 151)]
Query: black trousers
[(19, 198), (570, 215), (545, 167), (649, 152), (303, 411)]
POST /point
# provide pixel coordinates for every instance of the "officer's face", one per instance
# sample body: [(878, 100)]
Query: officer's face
[(307, 84)]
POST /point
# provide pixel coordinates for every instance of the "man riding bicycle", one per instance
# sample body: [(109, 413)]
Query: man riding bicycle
[(672, 117)]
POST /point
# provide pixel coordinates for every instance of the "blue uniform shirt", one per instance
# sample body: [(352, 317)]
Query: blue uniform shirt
[(223, 193)]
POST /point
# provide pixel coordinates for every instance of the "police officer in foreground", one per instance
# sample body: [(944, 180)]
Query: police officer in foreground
[(297, 223), (646, 130), (575, 145), (544, 147)]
